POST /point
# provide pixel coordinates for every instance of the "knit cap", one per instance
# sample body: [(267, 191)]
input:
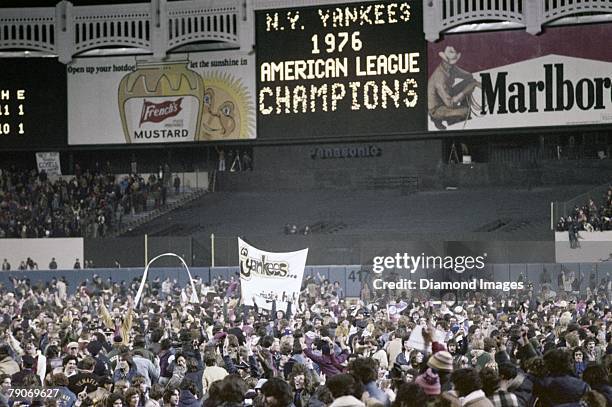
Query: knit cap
[(429, 382), (442, 361)]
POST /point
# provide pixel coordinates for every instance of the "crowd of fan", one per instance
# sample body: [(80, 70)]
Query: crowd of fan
[(88, 204), (94, 347), (589, 217)]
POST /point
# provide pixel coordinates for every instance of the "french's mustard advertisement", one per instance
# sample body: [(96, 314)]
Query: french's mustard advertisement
[(183, 98)]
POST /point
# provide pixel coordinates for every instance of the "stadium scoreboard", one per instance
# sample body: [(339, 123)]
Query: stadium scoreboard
[(342, 69), (11, 105), (32, 103)]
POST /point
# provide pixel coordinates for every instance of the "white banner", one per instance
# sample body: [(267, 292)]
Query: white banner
[(267, 276), (184, 98), (50, 162)]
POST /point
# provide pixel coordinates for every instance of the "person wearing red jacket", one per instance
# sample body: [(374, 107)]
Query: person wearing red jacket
[(328, 362)]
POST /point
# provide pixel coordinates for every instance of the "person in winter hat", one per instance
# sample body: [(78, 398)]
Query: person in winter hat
[(429, 381)]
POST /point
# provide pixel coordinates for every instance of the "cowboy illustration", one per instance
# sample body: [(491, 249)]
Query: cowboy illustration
[(449, 91)]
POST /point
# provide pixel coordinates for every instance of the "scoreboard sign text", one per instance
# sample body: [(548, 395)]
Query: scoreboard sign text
[(32, 103), (341, 70)]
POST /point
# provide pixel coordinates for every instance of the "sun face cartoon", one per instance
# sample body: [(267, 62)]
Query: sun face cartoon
[(227, 109)]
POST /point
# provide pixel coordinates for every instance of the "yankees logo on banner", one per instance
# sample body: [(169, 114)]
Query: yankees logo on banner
[(267, 276)]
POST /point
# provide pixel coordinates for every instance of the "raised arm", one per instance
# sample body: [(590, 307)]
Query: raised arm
[(308, 352), (105, 316), (126, 325)]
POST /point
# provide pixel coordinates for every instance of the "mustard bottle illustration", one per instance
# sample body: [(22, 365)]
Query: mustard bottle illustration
[(161, 101)]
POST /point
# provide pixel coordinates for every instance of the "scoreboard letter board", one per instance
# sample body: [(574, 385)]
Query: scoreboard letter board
[(32, 103), (341, 70)]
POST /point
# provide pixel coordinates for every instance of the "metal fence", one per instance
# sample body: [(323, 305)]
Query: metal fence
[(202, 251), (352, 278)]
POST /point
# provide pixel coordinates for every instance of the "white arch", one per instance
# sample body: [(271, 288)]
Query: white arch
[(194, 294)]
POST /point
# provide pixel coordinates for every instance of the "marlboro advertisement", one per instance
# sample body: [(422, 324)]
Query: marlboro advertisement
[(183, 98), (560, 77)]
